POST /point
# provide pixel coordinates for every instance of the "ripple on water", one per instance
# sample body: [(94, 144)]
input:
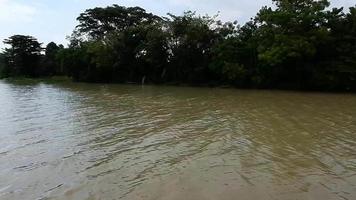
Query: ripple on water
[(82, 141)]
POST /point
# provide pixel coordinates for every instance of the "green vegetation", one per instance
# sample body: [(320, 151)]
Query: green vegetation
[(2, 66), (300, 44)]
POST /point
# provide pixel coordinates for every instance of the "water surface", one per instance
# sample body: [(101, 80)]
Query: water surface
[(87, 141)]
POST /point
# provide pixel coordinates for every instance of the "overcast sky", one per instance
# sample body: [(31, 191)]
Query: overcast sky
[(52, 20)]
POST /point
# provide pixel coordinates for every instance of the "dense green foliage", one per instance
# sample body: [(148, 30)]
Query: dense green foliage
[(2, 65), (23, 57), (50, 65), (300, 44)]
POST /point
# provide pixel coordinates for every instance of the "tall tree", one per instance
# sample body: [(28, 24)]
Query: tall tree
[(289, 36), (191, 40), (99, 22), (337, 55), (115, 41), (234, 59), (50, 65), (23, 56)]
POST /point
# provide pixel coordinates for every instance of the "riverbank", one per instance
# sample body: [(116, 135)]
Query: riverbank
[(65, 79), (54, 79)]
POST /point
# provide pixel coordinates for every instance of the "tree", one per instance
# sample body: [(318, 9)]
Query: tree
[(75, 61), (300, 44), (336, 68), (191, 40), (23, 56), (114, 42), (234, 59), (99, 22), (139, 53), (3, 72), (154, 52), (50, 65), (289, 36)]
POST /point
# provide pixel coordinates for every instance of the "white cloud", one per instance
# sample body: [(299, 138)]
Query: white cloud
[(12, 11)]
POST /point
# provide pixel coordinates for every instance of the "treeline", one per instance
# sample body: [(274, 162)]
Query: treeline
[(301, 44), (26, 58)]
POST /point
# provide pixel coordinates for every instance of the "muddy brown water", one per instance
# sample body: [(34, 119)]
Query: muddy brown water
[(92, 141)]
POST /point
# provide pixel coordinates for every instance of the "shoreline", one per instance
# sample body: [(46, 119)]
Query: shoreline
[(65, 79)]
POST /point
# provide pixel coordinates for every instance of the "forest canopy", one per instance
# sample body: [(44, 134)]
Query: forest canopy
[(302, 44)]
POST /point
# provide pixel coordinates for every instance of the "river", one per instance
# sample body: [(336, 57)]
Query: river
[(96, 141)]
